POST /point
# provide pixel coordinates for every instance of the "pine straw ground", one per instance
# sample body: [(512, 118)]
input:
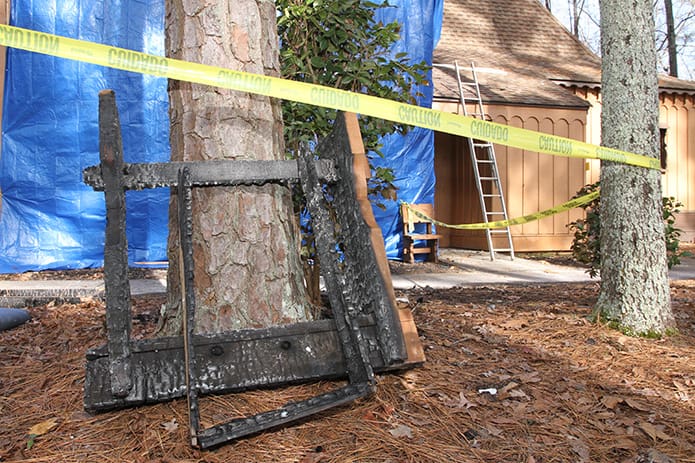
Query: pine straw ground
[(566, 391)]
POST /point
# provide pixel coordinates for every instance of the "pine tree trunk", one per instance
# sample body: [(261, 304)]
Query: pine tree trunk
[(247, 267), (634, 278)]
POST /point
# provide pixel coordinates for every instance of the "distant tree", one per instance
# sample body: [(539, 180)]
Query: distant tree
[(671, 39), (634, 280), (675, 30), (675, 33)]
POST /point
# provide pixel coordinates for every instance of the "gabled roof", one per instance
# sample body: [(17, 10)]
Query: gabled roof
[(527, 49)]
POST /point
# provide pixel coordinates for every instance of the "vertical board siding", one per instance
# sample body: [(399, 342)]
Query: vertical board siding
[(531, 189), (561, 179), (547, 176), (577, 170), (531, 181)]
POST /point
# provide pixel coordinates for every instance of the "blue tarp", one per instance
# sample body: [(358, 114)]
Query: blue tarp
[(49, 219), (410, 156)]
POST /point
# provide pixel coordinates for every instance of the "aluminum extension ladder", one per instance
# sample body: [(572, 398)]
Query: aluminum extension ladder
[(487, 179)]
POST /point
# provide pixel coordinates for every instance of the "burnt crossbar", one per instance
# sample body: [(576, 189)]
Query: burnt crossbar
[(140, 176)]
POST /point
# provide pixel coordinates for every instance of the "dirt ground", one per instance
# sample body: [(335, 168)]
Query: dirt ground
[(513, 374)]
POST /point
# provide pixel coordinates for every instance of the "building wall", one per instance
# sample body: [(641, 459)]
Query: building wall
[(677, 116), (531, 181)]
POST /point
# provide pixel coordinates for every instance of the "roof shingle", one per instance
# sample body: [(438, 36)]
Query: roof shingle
[(526, 45)]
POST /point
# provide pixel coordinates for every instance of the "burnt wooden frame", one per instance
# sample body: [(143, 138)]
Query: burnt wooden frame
[(364, 334)]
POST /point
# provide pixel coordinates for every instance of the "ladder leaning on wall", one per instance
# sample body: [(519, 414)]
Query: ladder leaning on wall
[(484, 162)]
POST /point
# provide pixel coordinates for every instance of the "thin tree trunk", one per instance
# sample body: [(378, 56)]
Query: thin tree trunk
[(576, 13), (634, 279), (671, 39), (247, 267)]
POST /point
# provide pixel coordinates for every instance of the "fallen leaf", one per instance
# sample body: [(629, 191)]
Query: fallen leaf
[(402, 431), (579, 447), (514, 324), (610, 401), (463, 402), (517, 394), (623, 444), (493, 430), (511, 385), (42, 428), (317, 456), (170, 426), (39, 430), (469, 337), (654, 431), (654, 456), (531, 377), (637, 405)]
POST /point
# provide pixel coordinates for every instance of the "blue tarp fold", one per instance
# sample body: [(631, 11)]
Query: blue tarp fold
[(49, 219), (411, 156)]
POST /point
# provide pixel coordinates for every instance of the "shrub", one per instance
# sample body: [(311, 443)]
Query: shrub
[(586, 245)]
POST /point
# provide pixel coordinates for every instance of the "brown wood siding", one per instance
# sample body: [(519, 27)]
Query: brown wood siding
[(677, 116), (531, 181)]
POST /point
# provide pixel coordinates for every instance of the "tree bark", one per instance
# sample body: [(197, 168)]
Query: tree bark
[(247, 267), (634, 278)]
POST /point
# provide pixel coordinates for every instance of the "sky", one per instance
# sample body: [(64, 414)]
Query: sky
[(589, 30)]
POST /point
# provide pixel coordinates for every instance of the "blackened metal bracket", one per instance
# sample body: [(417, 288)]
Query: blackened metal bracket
[(364, 335)]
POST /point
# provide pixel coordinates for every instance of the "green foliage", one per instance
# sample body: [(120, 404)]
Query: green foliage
[(337, 43), (671, 207), (586, 245)]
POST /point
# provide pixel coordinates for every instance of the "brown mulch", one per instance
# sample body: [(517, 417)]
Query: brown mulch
[(513, 374)]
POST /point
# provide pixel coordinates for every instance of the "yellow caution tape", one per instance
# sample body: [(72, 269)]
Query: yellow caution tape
[(127, 60), (576, 202)]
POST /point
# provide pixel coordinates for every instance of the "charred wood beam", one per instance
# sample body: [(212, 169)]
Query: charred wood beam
[(361, 278), (138, 176), (229, 362), (116, 284)]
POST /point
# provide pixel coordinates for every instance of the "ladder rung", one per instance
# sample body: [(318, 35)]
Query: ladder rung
[(485, 161), (503, 250), (498, 231), (492, 196), (488, 178), (494, 213), (482, 145)]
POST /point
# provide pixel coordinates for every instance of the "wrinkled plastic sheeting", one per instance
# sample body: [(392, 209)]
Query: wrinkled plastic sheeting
[(49, 219), (410, 156)]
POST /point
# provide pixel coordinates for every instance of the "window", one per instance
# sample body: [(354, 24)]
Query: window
[(662, 147)]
